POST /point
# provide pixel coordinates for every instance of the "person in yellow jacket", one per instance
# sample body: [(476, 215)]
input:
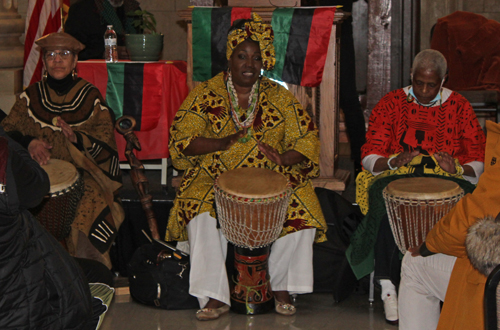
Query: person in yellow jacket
[(440, 269)]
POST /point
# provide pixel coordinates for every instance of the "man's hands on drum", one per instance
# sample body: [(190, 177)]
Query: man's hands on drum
[(65, 128), (39, 151), (445, 161), (400, 160), (404, 158)]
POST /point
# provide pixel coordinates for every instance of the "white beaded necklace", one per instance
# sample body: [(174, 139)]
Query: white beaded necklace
[(237, 111)]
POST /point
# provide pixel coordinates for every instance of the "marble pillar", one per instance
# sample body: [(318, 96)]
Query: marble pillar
[(11, 53)]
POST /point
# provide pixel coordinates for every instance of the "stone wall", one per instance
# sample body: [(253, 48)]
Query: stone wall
[(174, 29)]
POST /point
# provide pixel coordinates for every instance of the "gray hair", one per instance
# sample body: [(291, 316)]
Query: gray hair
[(430, 59)]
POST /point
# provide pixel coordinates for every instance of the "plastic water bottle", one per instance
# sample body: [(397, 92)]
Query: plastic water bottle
[(110, 45)]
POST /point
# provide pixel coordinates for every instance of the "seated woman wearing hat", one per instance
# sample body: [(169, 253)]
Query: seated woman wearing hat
[(241, 119), (65, 117)]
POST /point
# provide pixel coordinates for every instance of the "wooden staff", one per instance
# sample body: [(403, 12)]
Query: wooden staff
[(125, 126)]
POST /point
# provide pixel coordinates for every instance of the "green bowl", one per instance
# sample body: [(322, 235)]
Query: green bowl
[(144, 47)]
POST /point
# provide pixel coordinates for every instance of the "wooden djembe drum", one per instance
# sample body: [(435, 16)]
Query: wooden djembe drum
[(415, 205), (251, 208), (58, 209)]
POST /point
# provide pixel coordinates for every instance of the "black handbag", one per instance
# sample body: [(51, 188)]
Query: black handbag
[(159, 276), (332, 272)]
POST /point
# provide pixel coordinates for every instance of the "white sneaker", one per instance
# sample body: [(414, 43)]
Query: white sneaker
[(391, 309)]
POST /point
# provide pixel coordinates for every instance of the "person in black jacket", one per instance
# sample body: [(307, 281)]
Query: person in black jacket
[(41, 285), (87, 21)]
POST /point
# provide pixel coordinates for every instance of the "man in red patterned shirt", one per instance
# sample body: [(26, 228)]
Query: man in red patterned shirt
[(425, 118), (420, 129)]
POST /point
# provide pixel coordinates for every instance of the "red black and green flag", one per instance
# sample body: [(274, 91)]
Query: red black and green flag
[(301, 39), (210, 27), (128, 93)]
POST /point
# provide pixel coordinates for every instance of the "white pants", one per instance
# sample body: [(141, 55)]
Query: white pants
[(290, 261), (424, 281)]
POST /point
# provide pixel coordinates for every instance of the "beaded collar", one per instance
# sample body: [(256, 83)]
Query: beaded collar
[(242, 118)]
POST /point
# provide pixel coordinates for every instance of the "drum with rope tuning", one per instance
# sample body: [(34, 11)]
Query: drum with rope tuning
[(415, 205), (251, 207), (57, 210)]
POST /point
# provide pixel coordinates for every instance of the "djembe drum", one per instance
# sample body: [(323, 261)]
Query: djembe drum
[(415, 205), (251, 208), (57, 210)]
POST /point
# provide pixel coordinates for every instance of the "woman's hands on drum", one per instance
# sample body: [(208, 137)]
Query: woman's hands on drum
[(270, 153), (40, 151), (202, 145), (66, 129), (288, 158), (445, 161), (230, 140)]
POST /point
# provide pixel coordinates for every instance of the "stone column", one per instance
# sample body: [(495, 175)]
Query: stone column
[(11, 53), (379, 51)]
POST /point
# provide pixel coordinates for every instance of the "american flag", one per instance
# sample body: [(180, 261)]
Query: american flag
[(43, 17)]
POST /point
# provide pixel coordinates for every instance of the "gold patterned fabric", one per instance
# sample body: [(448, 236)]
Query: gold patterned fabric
[(257, 31), (280, 122)]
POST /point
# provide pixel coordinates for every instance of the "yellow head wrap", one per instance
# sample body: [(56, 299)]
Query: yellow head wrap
[(257, 31)]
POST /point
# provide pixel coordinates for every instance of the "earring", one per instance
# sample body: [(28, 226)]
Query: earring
[(44, 77), (74, 74)]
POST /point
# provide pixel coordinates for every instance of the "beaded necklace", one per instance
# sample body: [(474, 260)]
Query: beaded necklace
[(242, 118)]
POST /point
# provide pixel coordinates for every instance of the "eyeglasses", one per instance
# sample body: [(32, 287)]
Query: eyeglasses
[(64, 54)]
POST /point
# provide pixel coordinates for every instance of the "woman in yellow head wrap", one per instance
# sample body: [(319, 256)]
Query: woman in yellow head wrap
[(241, 119)]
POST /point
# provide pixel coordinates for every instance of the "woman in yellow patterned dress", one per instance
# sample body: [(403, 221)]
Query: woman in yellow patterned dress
[(241, 119)]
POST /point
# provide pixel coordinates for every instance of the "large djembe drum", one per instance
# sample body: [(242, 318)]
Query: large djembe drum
[(57, 210), (251, 208), (415, 205)]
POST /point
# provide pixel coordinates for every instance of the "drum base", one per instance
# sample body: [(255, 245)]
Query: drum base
[(251, 289)]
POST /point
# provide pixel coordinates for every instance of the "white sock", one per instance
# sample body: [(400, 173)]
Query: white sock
[(387, 288)]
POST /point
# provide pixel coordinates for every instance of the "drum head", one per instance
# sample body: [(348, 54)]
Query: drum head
[(62, 174), (252, 182), (423, 188)]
